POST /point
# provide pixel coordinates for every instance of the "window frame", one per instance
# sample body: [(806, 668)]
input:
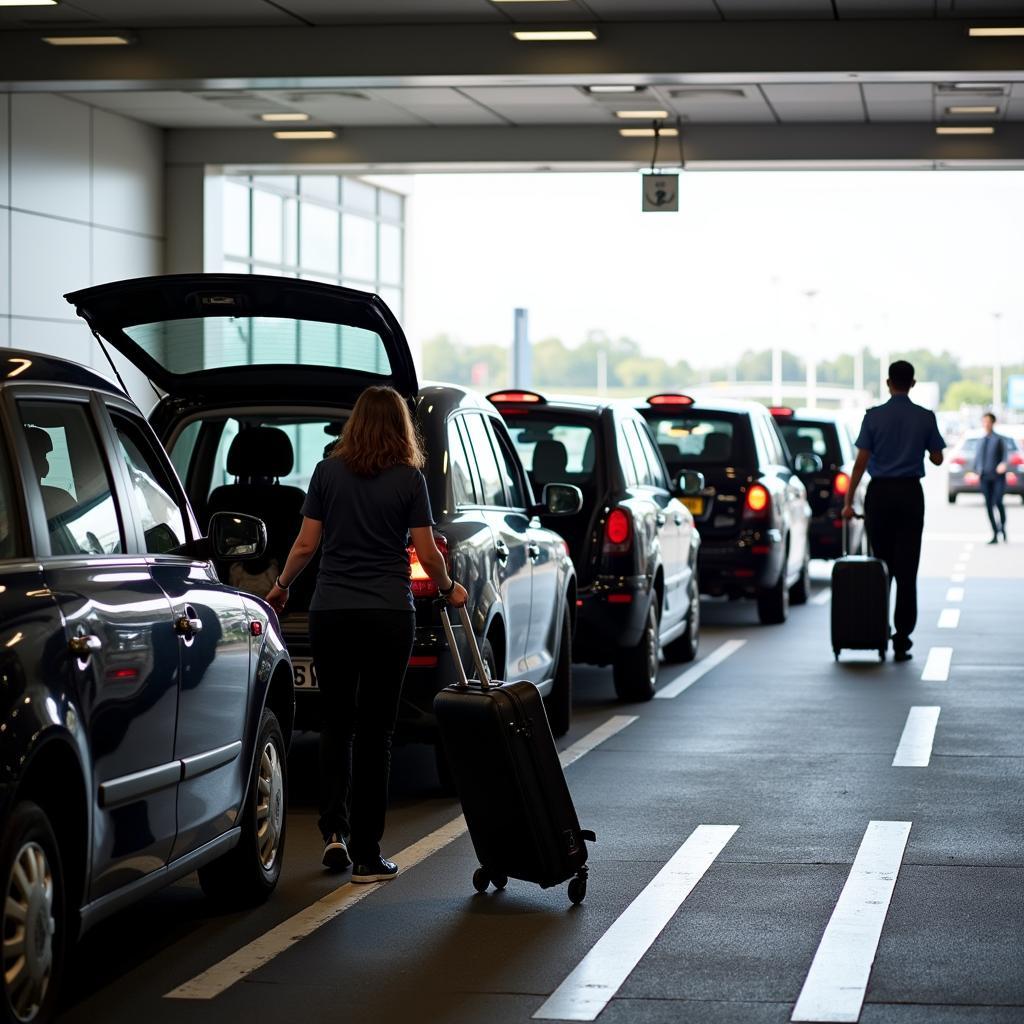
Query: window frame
[(659, 471), (452, 425), (507, 450)]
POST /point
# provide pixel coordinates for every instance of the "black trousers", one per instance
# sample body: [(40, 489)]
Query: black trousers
[(994, 487), (361, 658), (894, 510)]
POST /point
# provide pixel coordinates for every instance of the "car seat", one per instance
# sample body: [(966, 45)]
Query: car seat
[(800, 445), (717, 447), (549, 461)]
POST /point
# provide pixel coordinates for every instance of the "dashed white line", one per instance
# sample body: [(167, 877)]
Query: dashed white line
[(822, 597), (915, 747), (936, 668), (838, 978), (600, 974), (958, 577), (955, 595), (240, 964), (949, 618), (705, 665), (959, 568)]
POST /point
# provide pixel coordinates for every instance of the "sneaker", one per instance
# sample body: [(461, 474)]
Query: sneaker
[(377, 870), (336, 856), (902, 656)]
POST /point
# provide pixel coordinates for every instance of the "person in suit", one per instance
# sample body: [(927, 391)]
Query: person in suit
[(990, 465)]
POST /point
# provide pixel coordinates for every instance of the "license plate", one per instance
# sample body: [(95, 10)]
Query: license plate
[(305, 674), (695, 505)]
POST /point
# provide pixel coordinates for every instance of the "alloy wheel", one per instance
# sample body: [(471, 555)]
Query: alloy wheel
[(269, 805), (28, 931)]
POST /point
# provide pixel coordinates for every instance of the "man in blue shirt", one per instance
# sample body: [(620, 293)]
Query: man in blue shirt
[(990, 465), (892, 443)]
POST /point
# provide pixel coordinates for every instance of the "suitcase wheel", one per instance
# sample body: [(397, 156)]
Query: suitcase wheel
[(577, 890), (481, 879)]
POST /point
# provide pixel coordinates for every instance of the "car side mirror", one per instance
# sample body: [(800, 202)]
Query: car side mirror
[(805, 462), (236, 536), (561, 500), (690, 483)]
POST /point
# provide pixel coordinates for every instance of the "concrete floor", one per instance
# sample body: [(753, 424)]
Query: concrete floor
[(778, 740)]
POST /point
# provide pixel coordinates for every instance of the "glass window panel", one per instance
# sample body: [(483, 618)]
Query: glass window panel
[(11, 545), (643, 469), (291, 232), (577, 441), (319, 238), (236, 218), (359, 247), (459, 466), (813, 439), (490, 475), (393, 298), (267, 226), (320, 186), (280, 182), (686, 441), (654, 462), (357, 195), (184, 446), (390, 204), (231, 267), (390, 254), (510, 472)]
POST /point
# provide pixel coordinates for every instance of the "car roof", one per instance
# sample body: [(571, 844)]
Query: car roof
[(452, 396), (835, 416), (702, 403), (20, 366)]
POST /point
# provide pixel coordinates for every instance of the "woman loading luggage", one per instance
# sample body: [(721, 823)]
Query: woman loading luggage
[(365, 500)]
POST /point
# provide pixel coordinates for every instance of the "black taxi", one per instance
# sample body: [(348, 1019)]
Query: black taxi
[(752, 511)]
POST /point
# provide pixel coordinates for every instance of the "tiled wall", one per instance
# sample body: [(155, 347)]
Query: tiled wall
[(81, 202)]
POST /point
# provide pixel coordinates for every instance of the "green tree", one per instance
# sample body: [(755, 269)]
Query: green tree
[(966, 392)]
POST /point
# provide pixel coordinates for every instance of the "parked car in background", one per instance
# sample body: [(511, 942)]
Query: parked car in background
[(146, 707), (633, 541), (752, 512), (962, 478), (259, 375), (826, 436)]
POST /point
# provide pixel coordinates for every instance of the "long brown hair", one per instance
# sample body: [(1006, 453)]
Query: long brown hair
[(379, 434)]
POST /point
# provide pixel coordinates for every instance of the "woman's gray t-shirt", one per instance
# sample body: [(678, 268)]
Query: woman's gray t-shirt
[(366, 521)]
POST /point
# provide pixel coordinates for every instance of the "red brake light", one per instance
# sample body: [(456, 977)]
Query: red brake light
[(422, 584), (670, 399), (780, 411), (1016, 459), (841, 484), (757, 498), (618, 530), (515, 397), (1011, 479), (958, 460)]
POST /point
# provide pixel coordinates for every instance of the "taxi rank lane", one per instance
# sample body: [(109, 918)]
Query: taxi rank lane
[(793, 750)]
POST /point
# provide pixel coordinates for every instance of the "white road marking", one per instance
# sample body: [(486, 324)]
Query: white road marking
[(949, 618), (705, 665), (936, 668), (243, 962), (838, 978), (960, 567), (823, 597), (955, 595), (958, 577), (915, 748), (600, 974)]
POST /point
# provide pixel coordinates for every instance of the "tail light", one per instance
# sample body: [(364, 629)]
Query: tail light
[(422, 584), (841, 484), (1016, 459), (958, 460), (758, 503), (618, 530)]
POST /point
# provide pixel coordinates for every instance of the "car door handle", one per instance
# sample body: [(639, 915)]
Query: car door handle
[(85, 645), (533, 550), (502, 548), (188, 625)]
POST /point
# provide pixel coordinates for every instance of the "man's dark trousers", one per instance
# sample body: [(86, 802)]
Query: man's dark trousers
[(894, 510), (993, 486)]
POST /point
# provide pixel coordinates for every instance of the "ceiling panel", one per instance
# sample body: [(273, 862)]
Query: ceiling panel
[(341, 12), (168, 109), (36, 17), (822, 101), (131, 13), (898, 101), (541, 104), (740, 104), (981, 8), (750, 10), (654, 10), (885, 8), (438, 106)]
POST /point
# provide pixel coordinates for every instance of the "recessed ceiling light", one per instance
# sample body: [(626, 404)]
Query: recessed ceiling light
[(995, 31), (950, 129), (972, 110), (529, 1), (284, 117), (87, 40), (977, 86), (648, 133), (643, 115), (556, 36), (28, 3), (310, 134), (614, 88)]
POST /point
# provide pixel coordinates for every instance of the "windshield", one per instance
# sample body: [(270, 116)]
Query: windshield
[(813, 439), (209, 343), (686, 441), (554, 452)]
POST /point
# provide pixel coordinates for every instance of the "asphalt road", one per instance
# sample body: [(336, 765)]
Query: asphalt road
[(793, 905)]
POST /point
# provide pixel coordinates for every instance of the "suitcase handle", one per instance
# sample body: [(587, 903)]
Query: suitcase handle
[(474, 647), (846, 536)]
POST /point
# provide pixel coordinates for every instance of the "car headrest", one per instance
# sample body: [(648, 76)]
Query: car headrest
[(669, 452), (717, 447), (260, 452), (801, 445), (549, 461)]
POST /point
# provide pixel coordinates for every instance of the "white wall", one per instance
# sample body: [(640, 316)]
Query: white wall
[(81, 202)]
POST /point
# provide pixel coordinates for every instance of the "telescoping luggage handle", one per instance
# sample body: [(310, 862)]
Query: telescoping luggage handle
[(865, 541), (474, 647)]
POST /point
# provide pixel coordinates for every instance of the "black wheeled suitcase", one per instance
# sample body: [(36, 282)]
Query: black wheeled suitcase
[(502, 756), (860, 603)]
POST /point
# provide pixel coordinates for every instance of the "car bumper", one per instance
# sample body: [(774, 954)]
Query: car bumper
[(959, 485), (740, 566), (610, 615)]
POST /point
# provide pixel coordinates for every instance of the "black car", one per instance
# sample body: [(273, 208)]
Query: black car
[(963, 477), (633, 543), (826, 436), (259, 375), (752, 512), (146, 707)]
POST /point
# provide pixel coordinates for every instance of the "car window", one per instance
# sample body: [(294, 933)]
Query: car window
[(630, 471), (555, 452), (153, 492), (698, 440), (184, 446), (508, 465), (490, 475), (774, 453), (819, 439), (11, 541), (656, 471), (643, 470), (73, 477), (459, 466)]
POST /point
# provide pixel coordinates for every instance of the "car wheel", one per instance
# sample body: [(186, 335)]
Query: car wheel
[(558, 704), (247, 874), (773, 602), (684, 648), (801, 590), (635, 671), (952, 499), (34, 920)]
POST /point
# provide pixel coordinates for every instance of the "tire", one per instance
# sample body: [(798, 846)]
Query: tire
[(951, 498), (801, 590), (35, 925), (684, 648), (558, 704), (247, 874), (773, 602), (634, 672)]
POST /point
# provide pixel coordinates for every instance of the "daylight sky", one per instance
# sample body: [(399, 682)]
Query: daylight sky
[(899, 259)]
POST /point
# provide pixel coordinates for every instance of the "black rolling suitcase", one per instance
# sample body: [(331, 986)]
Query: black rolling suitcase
[(860, 602), (502, 756)]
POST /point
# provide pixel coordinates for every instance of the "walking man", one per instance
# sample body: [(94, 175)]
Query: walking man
[(893, 440), (990, 465)]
